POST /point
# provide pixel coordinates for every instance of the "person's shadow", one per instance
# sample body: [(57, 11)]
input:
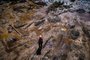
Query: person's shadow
[(38, 52), (40, 42)]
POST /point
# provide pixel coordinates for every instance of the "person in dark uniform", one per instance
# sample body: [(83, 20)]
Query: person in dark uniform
[(40, 43)]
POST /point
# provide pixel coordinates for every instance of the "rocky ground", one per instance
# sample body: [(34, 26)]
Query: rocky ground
[(65, 30)]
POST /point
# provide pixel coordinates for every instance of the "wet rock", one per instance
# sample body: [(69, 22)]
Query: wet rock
[(74, 34)]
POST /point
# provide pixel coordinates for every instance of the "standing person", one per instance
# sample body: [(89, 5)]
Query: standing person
[(40, 42)]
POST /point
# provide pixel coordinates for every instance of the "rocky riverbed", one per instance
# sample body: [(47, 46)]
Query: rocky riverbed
[(64, 26)]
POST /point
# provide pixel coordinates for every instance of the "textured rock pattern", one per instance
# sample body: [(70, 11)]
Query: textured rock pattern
[(65, 31)]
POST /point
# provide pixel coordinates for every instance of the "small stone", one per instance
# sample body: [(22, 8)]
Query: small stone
[(74, 34)]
